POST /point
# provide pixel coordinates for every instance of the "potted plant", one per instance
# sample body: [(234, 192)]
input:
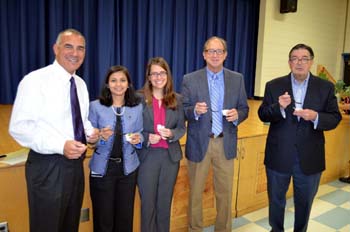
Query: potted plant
[(339, 87), (343, 93), (323, 75)]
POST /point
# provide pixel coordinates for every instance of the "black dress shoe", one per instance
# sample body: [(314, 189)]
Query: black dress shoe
[(345, 179)]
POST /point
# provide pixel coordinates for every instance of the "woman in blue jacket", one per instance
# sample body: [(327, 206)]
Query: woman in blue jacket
[(118, 115)]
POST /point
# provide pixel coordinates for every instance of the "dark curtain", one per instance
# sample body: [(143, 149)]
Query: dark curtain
[(126, 32)]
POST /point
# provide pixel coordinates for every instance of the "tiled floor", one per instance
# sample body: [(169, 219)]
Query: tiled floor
[(330, 213)]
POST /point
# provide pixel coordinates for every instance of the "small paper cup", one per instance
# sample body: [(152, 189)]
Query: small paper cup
[(128, 137), (159, 127)]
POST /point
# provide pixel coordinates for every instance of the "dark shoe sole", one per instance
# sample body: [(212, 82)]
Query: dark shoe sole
[(345, 179)]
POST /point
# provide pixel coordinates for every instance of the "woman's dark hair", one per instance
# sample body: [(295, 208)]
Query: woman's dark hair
[(169, 99), (130, 98)]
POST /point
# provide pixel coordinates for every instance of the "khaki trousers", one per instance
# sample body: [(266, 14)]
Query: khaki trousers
[(223, 178)]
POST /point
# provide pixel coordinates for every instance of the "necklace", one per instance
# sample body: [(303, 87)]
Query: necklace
[(118, 114)]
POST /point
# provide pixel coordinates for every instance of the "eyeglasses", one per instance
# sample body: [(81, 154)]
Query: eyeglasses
[(156, 74), (303, 60), (213, 51)]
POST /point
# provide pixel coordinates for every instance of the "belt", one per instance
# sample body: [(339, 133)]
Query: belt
[(117, 160), (218, 136)]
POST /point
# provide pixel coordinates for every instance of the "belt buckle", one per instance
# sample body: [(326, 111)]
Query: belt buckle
[(213, 136), (117, 160)]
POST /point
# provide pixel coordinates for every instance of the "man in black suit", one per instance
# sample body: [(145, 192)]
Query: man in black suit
[(299, 107)]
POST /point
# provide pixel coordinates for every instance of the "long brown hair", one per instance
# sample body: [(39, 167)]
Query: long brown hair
[(169, 96)]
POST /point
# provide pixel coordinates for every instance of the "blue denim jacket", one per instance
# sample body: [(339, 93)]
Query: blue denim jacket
[(102, 116)]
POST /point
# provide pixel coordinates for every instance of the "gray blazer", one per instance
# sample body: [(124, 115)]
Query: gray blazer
[(195, 89), (175, 121)]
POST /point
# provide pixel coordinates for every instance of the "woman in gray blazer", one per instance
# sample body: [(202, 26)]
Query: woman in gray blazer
[(163, 126)]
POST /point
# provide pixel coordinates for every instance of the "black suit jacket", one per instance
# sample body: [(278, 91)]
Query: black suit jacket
[(288, 137)]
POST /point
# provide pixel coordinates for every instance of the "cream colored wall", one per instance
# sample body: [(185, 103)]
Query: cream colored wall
[(347, 36), (318, 23)]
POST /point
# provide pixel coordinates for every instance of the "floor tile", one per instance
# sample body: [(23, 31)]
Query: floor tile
[(319, 227), (330, 213), (251, 227), (290, 202), (257, 215), (315, 226), (337, 184), (264, 223), (240, 221), (324, 189), (346, 205), (336, 218), (346, 188), (337, 197), (288, 221), (319, 207), (209, 229), (345, 229)]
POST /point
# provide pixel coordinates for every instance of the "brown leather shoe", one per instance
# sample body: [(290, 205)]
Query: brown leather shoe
[(345, 179)]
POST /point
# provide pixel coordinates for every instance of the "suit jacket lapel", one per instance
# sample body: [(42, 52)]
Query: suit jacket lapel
[(310, 93), (149, 116), (227, 90), (288, 88), (168, 117), (203, 88)]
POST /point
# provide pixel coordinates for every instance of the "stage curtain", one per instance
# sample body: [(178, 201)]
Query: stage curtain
[(125, 32)]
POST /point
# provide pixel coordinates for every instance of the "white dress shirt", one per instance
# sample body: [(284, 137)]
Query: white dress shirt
[(41, 116)]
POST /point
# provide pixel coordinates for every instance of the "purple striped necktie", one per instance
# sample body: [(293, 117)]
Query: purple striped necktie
[(78, 126)]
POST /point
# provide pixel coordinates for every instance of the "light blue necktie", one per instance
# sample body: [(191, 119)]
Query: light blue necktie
[(215, 106)]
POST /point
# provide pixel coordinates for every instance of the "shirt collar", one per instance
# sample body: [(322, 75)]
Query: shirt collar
[(210, 74), (295, 82), (62, 72)]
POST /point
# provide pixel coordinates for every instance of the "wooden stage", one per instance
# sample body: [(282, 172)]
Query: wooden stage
[(249, 183)]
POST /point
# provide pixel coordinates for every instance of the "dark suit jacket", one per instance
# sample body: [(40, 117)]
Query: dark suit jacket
[(174, 120), (195, 89), (289, 137)]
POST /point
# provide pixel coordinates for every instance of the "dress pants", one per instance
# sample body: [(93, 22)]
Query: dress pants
[(223, 181), (305, 189), (55, 187), (113, 199), (156, 180)]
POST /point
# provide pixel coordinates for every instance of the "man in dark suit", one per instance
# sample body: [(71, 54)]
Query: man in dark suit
[(299, 107), (215, 103)]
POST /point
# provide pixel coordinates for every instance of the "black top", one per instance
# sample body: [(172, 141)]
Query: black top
[(117, 149)]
